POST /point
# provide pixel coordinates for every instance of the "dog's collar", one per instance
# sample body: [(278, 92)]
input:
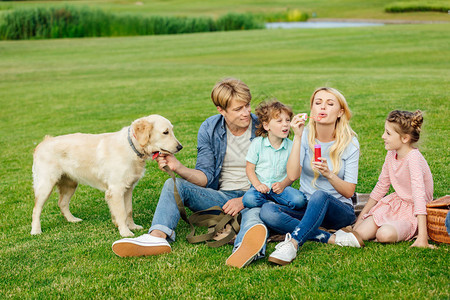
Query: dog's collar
[(139, 154)]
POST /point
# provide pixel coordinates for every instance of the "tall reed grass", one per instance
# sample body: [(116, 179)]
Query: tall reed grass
[(72, 22)]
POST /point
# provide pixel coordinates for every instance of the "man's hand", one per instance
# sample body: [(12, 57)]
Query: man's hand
[(168, 160), (233, 206)]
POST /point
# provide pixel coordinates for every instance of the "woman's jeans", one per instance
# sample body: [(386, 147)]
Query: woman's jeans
[(322, 210), (290, 197), (197, 198)]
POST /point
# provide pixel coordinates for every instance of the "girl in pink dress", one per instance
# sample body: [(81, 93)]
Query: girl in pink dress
[(401, 215)]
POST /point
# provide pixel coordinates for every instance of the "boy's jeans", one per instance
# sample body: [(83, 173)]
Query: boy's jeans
[(290, 197), (197, 198)]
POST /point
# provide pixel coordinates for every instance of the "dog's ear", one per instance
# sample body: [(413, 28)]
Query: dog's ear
[(142, 130)]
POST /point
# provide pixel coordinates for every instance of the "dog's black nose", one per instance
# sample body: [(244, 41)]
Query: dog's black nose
[(179, 147)]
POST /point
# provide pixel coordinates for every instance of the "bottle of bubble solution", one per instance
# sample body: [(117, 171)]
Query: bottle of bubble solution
[(317, 152)]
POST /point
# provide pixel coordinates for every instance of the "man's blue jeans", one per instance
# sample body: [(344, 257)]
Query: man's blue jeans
[(322, 210), (197, 198), (290, 197)]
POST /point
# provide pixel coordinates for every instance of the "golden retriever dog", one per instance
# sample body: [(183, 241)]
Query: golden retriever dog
[(111, 162)]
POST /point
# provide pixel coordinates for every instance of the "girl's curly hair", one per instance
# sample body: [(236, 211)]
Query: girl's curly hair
[(407, 122)]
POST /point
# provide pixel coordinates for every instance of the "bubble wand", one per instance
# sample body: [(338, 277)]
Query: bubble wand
[(316, 118), (317, 147)]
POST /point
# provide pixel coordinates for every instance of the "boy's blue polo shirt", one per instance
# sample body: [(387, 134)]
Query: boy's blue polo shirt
[(270, 162)]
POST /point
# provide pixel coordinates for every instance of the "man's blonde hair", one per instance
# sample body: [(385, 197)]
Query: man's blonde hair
[(228, 89)]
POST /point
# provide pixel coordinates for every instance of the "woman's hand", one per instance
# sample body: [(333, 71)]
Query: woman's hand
[(322, 167), (346, 189), (298, 123)]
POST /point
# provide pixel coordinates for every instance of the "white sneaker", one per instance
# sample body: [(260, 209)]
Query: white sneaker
[(285, 252), (348, 239), (141, 246)]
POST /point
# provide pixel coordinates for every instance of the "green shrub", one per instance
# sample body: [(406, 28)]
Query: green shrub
[(296, 15), (399, 7), (290, 15), (70, 22)]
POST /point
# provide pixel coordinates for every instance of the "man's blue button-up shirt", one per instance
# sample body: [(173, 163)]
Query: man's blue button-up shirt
[(212, 145)]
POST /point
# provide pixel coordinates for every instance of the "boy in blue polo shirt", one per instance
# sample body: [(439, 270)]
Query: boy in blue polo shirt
[(267, 158)]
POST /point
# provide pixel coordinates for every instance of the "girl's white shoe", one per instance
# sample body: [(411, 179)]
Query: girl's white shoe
[(348, 239)]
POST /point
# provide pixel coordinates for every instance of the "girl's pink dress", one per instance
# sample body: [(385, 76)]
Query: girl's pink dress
[(413, 184)]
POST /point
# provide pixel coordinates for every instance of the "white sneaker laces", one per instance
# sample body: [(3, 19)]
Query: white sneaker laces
[(287, 241)]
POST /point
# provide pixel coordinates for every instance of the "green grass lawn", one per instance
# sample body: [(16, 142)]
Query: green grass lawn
[(102, 84), (353, 9)]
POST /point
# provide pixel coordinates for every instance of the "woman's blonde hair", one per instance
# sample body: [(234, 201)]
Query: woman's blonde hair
[(343, 133)]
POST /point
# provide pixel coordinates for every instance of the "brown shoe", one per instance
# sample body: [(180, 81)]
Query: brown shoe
[(253, 241), (141, 246)]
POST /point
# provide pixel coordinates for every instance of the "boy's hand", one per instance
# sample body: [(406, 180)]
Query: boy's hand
[(278, 187), (262, 188)]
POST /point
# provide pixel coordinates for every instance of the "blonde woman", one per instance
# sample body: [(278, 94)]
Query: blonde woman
[(328, 183)]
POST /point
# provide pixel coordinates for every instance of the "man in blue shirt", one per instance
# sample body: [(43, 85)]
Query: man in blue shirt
[(219, 179)]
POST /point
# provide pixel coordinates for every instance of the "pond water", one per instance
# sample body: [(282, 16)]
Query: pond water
[(291, 25)]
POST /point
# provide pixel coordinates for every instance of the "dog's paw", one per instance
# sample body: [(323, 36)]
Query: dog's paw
[(135, 227), (126, 232), (73, 219), (36, 231)]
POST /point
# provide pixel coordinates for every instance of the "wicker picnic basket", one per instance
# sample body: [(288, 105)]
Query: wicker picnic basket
[(437, 211)]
